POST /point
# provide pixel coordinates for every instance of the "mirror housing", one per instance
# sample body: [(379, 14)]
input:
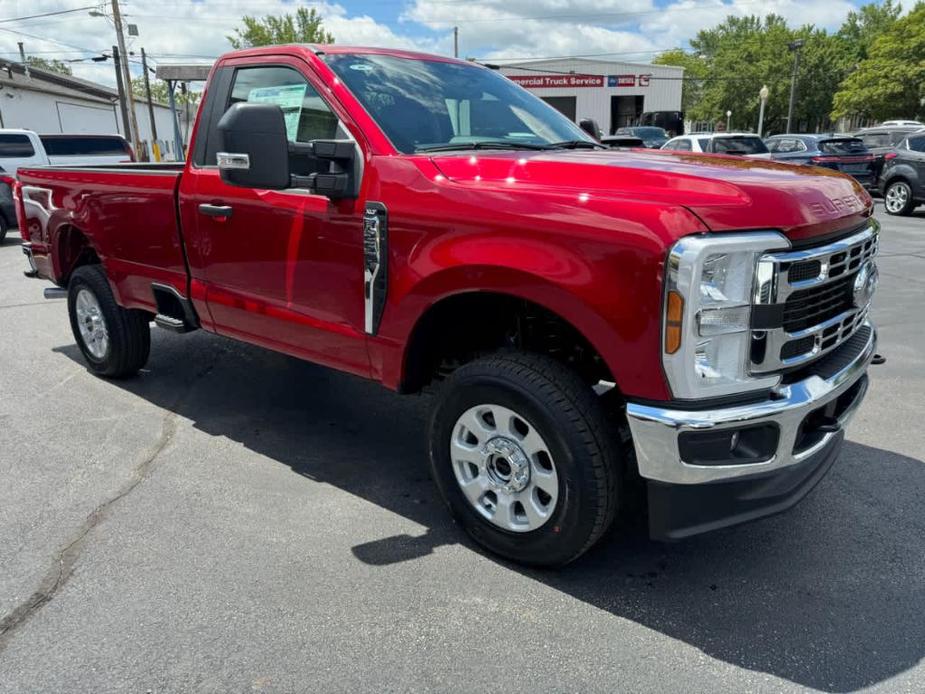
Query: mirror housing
[(590, 126), (256, 153), (255, 148)]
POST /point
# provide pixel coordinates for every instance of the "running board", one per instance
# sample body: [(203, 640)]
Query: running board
[(172, 324)]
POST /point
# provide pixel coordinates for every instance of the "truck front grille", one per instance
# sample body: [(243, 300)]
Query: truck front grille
[(807, 301)]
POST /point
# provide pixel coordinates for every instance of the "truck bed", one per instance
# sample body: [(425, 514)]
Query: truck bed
[(127, 212)]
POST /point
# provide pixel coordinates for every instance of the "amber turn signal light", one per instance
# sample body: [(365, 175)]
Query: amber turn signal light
[(673, 314)]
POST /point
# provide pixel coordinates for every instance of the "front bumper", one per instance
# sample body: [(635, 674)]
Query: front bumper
[(808, 415)]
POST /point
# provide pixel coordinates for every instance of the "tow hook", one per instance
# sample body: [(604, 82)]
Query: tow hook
[(878, 360), (55, 293)]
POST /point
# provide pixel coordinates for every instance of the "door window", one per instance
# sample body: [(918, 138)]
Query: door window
[(308, 117), (917, 144), (679, 145)]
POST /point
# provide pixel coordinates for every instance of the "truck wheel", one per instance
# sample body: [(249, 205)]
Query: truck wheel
[(524, 458), (897, 198), (4, 227), (114, 341)]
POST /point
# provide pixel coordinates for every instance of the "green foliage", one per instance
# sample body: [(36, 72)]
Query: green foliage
[(727, 65), (58, 66), (890, 81), (159, 93), (305, 26)]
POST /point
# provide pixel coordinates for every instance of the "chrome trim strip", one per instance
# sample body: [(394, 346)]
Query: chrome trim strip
[(655, 430)]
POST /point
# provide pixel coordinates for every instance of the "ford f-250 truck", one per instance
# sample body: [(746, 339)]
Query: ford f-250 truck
[(599, 327)]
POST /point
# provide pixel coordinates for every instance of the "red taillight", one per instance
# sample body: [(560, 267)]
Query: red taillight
[(890, 155)]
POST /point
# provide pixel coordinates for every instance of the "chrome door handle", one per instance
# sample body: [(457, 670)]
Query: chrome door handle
[(215, 210)]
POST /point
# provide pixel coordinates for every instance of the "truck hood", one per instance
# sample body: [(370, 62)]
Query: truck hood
[(725, 192)]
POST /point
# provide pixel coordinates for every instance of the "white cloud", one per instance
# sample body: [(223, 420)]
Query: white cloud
[(182, 30)]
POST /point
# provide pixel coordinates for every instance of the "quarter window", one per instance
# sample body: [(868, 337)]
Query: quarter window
[(917, 144), (16, 146)]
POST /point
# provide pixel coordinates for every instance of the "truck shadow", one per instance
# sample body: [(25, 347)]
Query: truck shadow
[(829, 596)]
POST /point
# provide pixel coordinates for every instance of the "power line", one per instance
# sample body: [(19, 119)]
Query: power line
[(48, 14), (50, 40)]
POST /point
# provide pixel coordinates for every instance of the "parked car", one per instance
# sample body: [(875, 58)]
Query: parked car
[(902, 180), (902, 123), (25, 148), (841, 153), (743, 144), (7, 208), (652, 137), (883, 139), (603, 328), (622, 141)]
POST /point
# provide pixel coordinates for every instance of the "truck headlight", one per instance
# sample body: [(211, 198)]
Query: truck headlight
[(710, 283)]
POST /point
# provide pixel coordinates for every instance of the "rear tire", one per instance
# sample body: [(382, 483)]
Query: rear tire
[(494, 414), (114, 341), (4, 227), (897, 198)]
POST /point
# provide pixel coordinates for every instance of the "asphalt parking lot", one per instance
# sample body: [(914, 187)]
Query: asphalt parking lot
[(235, 520)]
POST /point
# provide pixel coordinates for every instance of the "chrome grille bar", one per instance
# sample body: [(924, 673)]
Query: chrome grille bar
[(848, 260)]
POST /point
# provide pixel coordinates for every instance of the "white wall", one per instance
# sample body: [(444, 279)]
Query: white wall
[(663, 92)]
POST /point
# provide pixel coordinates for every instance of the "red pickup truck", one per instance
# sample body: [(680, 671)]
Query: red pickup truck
[(599, 327)]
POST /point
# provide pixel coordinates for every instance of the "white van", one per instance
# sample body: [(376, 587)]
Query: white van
[(26, 148)]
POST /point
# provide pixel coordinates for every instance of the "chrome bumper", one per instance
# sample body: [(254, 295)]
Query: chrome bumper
[(656, 430)]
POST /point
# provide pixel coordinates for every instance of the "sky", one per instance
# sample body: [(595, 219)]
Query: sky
[(177, 31)]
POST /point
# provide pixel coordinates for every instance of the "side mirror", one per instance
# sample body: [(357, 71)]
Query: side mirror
[(256, 153), (254, 147), (590, 126)]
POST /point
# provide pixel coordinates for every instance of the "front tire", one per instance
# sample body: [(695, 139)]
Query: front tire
[(524, 458), (897, 199), (115, 341)]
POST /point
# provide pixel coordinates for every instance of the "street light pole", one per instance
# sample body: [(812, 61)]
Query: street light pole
[(763, 98), (126, 79), (728, 121), (794, 47)]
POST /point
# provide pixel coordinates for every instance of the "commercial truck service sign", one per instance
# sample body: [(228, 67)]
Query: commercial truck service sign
[(550, 81)]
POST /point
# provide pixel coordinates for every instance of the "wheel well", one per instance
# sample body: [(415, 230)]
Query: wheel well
[(74, 250), (463, 327)]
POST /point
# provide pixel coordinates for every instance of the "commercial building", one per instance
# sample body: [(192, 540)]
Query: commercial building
[(49, 102), (614, 94)]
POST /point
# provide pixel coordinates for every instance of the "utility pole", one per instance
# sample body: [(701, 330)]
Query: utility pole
[(155, 147), (117, 61), (794, 47), (126, 79), (455, 42), (763, 100), (22, 58)]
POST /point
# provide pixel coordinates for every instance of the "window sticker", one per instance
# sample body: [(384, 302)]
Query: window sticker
[(289, 98)]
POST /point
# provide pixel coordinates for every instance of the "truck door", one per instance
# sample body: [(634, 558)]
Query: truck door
[(283, 269)]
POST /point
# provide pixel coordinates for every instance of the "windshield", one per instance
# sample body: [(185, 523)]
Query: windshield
[(648, 133), (427, 104), (739, 145), (844, 146)]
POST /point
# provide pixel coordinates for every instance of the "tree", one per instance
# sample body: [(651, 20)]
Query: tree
[(863, 26), (890, 81), (305, 26), (58, 66), (159, 93)]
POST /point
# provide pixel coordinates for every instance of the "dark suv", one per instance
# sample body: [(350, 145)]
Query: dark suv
[(652, 137), (839, 152), (902, 180)]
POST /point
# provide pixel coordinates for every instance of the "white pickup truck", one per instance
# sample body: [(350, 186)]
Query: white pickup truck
[(20, 148)]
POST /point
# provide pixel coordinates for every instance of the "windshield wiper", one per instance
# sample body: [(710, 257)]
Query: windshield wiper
[(485, 144), (577, 144)]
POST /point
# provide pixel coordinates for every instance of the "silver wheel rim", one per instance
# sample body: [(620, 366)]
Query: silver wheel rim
[(504, 468), (896, 197), (91, 323)]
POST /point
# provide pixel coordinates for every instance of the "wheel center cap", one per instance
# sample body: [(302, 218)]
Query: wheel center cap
[(507, 465)]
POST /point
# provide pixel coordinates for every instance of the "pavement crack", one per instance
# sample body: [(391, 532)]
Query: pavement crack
[(64, 560)]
